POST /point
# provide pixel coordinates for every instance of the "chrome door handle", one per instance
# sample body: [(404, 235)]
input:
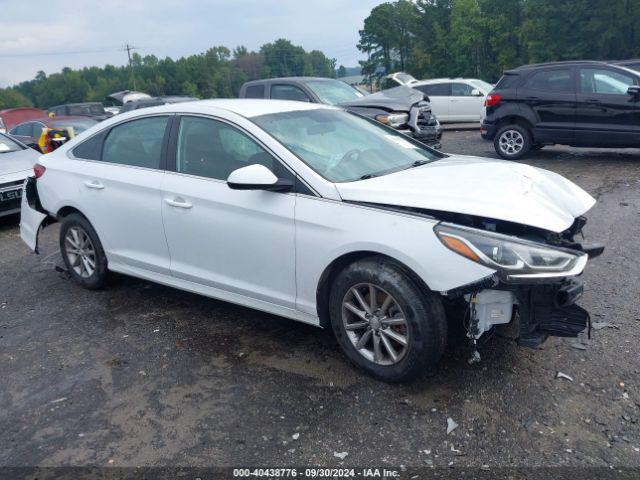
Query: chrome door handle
[(96, 185), (178, 202)]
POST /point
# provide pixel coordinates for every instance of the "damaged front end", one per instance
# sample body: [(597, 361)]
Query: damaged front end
[(534, 280)]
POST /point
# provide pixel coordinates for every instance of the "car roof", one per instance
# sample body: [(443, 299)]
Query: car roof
[(76, 104), (58, 119), (443, 79), (246, 107), (563, 63), (294, 79)]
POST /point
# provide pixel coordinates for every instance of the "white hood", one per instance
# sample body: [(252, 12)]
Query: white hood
[(483, 187)]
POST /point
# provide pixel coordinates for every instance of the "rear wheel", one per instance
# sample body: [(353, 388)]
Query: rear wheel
[(82, 252), (512, 141), (384, 322)]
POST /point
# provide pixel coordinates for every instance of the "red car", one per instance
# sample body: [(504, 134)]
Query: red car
[(11, 117), (29, 132)]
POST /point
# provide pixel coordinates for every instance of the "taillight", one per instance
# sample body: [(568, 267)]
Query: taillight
[(492, 100), (38, 170)]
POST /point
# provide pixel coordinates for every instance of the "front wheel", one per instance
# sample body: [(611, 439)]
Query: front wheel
[(82, 252), (385, 323), (512, 142)]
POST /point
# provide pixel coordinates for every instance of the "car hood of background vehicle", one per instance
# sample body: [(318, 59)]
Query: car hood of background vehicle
[(17, 162), (394, 99), (488, 188)]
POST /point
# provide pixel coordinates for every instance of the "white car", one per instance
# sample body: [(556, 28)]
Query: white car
[(315, 214), (16, 164), (452, 99)]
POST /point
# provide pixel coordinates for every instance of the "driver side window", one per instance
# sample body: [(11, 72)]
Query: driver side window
[(213, 149)]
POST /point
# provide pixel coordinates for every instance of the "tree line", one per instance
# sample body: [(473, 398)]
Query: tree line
[(427, 38), (218, 72), (482, 38)]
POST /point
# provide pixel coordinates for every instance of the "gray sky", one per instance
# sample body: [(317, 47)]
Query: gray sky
[(45, 35)]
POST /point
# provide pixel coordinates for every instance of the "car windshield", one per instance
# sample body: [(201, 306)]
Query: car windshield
[(343, 147), (333, 92), (79, 126), (7, 145)]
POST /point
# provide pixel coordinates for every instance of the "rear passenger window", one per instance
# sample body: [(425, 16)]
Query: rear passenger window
[(25, 130), (288, 92), (89, 149), (254, 91), (558, 81), (212, 149), (137, 143), (435, 89), (461, 90)]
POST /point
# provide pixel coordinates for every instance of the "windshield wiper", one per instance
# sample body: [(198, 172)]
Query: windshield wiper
[(417, 163), (367, 176)]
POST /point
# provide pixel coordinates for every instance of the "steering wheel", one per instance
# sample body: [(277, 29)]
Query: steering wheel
[(352, 154)]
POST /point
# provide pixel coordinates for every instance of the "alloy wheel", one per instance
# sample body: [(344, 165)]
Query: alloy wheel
[(375, 324), (80, 251), (511, 142)]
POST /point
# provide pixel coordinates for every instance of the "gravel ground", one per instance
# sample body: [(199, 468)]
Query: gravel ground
[(143, 375)]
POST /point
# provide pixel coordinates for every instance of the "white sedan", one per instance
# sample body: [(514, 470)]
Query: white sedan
[(315, 214), (452, 99)]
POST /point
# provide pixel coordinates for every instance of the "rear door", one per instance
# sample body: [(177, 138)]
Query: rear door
[(606, 114), (439, 94), (119, 175), (463, 105), (550, 93)]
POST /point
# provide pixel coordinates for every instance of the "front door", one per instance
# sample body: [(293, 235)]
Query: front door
[(238, 241), (606, 114), (463, 105)]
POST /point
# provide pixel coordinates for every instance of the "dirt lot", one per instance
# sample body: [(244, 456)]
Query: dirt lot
[(139, 374)]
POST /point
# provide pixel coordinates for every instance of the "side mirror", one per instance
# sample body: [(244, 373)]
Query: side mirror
[(257, 177), (634, 90), (476, 93)]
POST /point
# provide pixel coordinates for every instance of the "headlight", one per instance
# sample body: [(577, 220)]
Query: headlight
[(394, 120), (511, 256)]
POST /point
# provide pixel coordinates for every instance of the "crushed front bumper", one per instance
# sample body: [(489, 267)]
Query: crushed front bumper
[(541, 309), (32, 215), (550, 310)]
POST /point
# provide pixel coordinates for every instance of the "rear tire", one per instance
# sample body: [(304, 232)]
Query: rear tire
[(82, 252), (512, 142), (401, 311)]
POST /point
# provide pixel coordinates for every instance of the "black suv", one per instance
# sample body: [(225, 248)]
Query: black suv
[(578, 103)]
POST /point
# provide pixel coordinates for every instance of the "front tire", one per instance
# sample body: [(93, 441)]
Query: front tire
[(385, 323), (512, 142), (82, 252)]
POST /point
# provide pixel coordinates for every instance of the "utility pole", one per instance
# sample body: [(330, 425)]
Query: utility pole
[(128, 48)]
